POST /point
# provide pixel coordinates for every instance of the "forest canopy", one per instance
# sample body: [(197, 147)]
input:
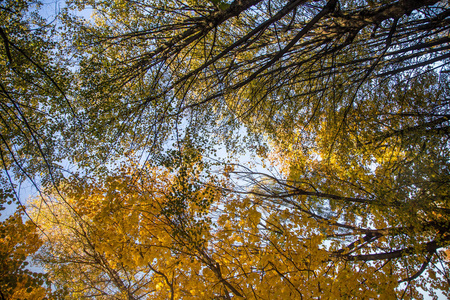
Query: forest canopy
[(209, 149)]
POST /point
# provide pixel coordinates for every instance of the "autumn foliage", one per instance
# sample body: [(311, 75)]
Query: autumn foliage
[(209, 149)]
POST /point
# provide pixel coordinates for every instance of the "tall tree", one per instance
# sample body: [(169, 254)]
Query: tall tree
[(131, 235), (351, 96), (348, 98), (19, 241), (178, 233), (35, 112), (267, 64)]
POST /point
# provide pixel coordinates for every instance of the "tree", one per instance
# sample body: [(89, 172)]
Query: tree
[(35, 111), (364, 224), (147, 236), (349, 99), (176, 232), (267, 64), (19, 241), (132, 235), (350, 96)]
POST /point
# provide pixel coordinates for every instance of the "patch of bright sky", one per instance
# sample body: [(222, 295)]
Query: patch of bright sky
[(50, 9)]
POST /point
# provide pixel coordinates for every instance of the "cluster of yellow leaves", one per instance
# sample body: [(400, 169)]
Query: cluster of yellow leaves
[(160, 233), (18, 241), (135, 228)]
